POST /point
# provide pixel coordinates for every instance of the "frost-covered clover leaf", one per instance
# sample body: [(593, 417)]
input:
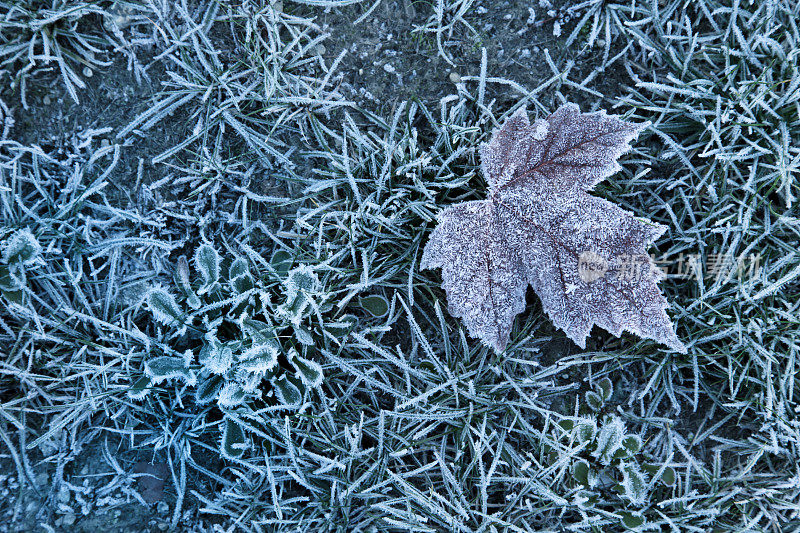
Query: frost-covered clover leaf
[(584, 256)]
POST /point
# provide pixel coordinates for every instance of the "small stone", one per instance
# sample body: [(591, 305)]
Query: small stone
[(162, 508), (163, 526), (321, 49), (68, 519), (277, 7), (151, 485), (389, 68), (455, 77), (88, 72), (46, 100), (105, 143)]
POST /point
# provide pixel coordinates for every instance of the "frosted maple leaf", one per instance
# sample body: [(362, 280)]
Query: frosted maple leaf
[(584, 256)]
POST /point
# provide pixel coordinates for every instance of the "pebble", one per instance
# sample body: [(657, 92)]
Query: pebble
[(46, 100), (455, 77), (389, 68), (321, 49), (163, 526), (277, 7), (105, 143), (88, 72), (162, 508), (68, 519)]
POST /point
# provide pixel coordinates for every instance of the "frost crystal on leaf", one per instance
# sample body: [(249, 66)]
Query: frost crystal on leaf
[(584, 256), (21, 247)]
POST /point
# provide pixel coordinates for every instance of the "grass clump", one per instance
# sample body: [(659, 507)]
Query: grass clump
[(73, 37)]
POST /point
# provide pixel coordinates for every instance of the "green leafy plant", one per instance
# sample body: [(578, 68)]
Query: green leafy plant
[(241, 334), (608, 466), (601, 392), (20, 252)]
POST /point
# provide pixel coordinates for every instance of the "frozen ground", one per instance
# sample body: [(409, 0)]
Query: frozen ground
[(333, 132)]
